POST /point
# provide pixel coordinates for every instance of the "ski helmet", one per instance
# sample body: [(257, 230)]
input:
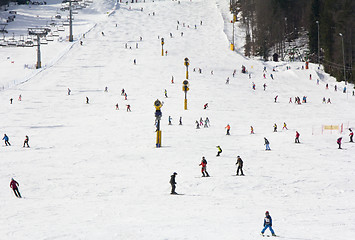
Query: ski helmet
[(267, 212)]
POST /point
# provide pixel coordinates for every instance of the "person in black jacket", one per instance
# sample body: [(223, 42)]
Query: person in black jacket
[(173, 183), (240, 166)]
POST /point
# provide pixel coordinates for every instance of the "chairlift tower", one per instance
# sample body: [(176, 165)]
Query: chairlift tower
[(39, 32)]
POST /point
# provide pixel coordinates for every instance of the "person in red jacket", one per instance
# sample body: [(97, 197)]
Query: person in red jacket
[(14, 185), (351, 135), (297, 139), (204, 167)]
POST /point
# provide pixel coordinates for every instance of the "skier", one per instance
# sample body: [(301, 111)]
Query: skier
[(106, 89), (276, 98), (351, 135), (180, 121), (251, 130), (197, 125), (268, 224), (285, 126), (207, 121), (240, 166), (128, 108), (272, 76), (11, 100), (172, 79), (26, 141), (219, 151), (205, 106), (6, 139), (227, 80), (134, 61), (122, 92), (125, 96), (116, 106), (173, 183), (267, 144), (20, 97), (228, 127), (290, 100), (326, 86), (310, 76), (166, 93), (339, 142), (335, 88), (203, 165), (324, 100), (87, 100), (14, 185), (69, 91), (328, 101), (201, 121), (275, 127), (206, 124), (170, 120), (297, 139), (264, 86)]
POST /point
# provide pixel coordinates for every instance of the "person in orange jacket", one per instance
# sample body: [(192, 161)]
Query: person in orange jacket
[(228, 129)]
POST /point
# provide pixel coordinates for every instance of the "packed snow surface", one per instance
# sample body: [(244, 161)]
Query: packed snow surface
[(93, 172)]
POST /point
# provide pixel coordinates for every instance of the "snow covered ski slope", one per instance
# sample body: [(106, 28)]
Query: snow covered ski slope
[(93, 172)]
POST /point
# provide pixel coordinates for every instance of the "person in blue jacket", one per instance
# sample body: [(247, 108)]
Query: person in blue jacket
[(268, 224), (6, 138)]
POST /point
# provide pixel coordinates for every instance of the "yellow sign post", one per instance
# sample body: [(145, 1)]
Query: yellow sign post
[(185, 88), (158, 114), (162, 46), (187, 63)]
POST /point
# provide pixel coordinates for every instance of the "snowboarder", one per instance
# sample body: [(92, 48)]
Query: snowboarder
[(285, 126), (251, 130), (228, 129), (6, 139), (180, 121), (26, 142), (297, 139), (87, 100), (339, 142), (203, 165), (166, 93), (14, 185), (240, 166), (219, 150), (275, 127), (267, 144), (173, 183), (170, 118), (351, 135), (268, 224), (205, 106)]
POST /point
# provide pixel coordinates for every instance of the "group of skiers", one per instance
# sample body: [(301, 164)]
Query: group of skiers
[(7, 142)]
